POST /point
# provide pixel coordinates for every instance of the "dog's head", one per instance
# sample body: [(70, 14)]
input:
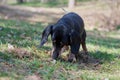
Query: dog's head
[(59, 35)]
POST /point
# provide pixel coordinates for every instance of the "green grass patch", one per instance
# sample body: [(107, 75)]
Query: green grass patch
[(23, 34), (55, 3), (51, 3), (118, 27)]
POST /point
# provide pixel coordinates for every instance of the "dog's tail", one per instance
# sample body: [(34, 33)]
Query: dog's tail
[(64, 10)]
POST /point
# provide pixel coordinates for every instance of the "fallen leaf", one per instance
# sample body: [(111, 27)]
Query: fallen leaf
[(10, 47)]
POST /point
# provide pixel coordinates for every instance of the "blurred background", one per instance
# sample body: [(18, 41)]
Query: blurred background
[(97, 14)]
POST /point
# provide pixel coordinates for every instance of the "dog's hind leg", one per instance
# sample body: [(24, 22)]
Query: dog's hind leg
[(83, 42), (84, 46)]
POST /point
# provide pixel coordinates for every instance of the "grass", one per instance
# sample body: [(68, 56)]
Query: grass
[(54, 3), (39, 4), (23, 34)]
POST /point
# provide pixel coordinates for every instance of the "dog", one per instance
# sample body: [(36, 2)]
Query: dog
[(68, 31)]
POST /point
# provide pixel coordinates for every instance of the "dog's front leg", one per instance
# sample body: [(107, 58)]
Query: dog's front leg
[(55, 53), (74, 52)]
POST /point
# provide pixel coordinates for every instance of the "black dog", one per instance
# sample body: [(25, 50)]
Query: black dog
[(68, 31)]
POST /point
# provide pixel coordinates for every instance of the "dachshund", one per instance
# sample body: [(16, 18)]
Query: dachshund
[(68, 31)]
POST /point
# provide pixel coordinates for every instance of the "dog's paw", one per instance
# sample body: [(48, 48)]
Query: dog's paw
[(53, 61), (71, 58)]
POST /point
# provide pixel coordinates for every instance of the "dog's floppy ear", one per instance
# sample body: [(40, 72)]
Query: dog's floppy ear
[(47, 31)]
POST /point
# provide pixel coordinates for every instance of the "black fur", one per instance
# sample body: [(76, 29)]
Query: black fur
[(68, 31)]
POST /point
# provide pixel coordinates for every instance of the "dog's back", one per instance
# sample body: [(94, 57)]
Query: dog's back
[(72, 21)]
